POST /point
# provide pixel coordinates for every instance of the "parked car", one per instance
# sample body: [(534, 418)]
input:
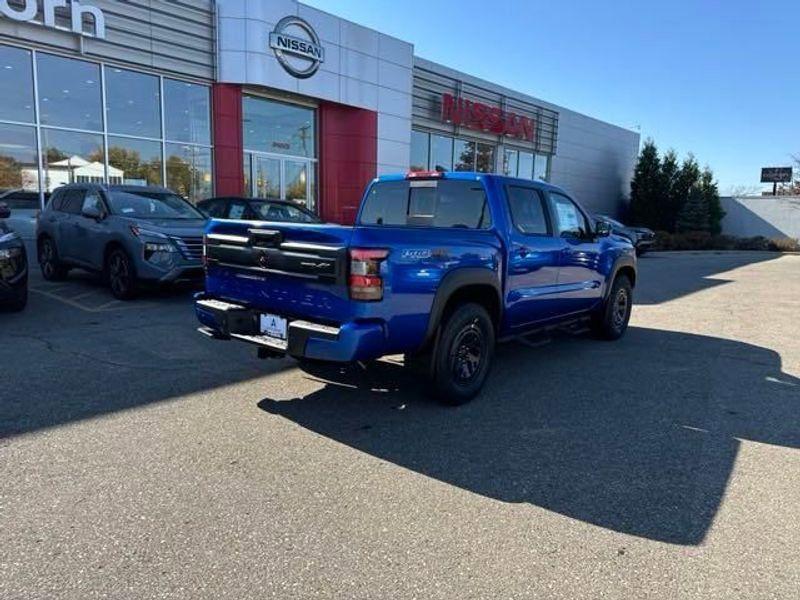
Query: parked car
[(438, 266), (257, 209), (13, 265), (25, 207), (642, 238), (130, 234)]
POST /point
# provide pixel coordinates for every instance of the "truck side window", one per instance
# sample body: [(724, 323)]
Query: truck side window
[(527, 210), (569, 218)]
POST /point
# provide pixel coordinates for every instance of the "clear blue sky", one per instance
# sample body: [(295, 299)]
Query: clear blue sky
[(718, 78)]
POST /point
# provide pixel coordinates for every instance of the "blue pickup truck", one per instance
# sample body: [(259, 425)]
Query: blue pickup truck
[(439, 267)]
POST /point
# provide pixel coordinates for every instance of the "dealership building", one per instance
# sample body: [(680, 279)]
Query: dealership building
[(269, 99)]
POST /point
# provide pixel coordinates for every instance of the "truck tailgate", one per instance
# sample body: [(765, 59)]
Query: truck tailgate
[(293, 269)]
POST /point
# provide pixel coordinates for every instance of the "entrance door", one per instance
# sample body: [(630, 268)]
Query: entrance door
[(266, 177), (270, 176)]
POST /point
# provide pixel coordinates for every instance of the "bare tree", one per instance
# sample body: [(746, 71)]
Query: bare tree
[(792, 188)]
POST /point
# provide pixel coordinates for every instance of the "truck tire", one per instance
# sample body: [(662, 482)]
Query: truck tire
[(52, 268), (611, 321), (463, 354), (120, 275)]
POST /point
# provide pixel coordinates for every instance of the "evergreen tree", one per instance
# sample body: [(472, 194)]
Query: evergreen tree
[(710, 193), (646, 186), (694, 214), (668, 206), (669, 196), (687, 178)]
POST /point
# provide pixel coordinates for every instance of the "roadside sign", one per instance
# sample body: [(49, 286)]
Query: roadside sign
[(776, 175)]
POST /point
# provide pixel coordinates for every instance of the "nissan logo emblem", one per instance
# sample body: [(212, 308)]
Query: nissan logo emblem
[(296, 46)]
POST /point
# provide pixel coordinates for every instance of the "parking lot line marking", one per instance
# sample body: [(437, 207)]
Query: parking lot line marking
[(84, 295), (113, 305)]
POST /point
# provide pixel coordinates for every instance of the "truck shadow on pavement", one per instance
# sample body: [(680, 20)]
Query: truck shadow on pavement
[(639, 436)]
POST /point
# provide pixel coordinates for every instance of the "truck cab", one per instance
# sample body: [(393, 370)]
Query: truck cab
[(438, 265)]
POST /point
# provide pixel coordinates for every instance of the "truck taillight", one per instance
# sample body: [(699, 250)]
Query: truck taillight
[(365, 281)]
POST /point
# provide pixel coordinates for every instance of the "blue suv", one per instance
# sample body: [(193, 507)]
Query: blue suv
[(439, 266), (130, 234)]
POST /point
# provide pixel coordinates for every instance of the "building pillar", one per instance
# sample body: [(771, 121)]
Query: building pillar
[(228, 143), (348, 159)]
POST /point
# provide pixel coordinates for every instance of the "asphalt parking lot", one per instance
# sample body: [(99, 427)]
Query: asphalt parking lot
[(139, 459)]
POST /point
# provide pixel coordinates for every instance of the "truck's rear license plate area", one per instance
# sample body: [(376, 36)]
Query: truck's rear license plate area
[(272, 325)]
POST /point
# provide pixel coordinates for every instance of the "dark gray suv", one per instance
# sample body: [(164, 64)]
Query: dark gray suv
[(130, 234)]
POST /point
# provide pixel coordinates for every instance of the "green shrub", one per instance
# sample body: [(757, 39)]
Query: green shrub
[(786, 244), (701, 240)]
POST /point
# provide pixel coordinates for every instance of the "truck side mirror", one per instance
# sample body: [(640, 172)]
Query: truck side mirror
[(5, 212), (602, 229)]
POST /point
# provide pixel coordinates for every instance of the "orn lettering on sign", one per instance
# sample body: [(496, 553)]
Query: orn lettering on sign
[(29, 10)]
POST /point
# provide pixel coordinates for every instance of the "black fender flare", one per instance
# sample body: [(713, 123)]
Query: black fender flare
[(450, 284), (622, 261)]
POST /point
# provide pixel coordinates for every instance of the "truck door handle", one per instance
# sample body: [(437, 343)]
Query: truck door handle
[(522, 251)]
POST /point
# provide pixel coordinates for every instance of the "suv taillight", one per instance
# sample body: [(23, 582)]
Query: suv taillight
[(365, 281)]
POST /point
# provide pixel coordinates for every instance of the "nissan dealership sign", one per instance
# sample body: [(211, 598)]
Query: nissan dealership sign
[(297, 47), (29, 11), (482, 117)]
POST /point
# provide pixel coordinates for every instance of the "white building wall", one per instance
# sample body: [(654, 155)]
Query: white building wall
[(594, 161), (770, 216), (362, 67)]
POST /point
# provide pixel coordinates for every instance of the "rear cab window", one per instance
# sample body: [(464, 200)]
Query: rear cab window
[(442, 203)]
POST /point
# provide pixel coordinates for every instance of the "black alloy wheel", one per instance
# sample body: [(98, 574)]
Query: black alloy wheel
[(466, 352), (611, 321), (463, 354)]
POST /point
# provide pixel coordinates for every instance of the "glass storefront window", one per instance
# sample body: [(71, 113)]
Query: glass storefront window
[(484, 162), (441, 152), (541, 167), (16, 81), (420, 142), (296, 180), (74, 127), (525, 165), (510, 160), (19, 162), (69, 93), (133, 103), (464, 155), (189, 171), (311, 203), (187, 112), (248, 170), (72, 157), (278, 128), (135, 162)]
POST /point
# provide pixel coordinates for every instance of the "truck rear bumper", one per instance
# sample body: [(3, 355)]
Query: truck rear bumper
[(354, 340)]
